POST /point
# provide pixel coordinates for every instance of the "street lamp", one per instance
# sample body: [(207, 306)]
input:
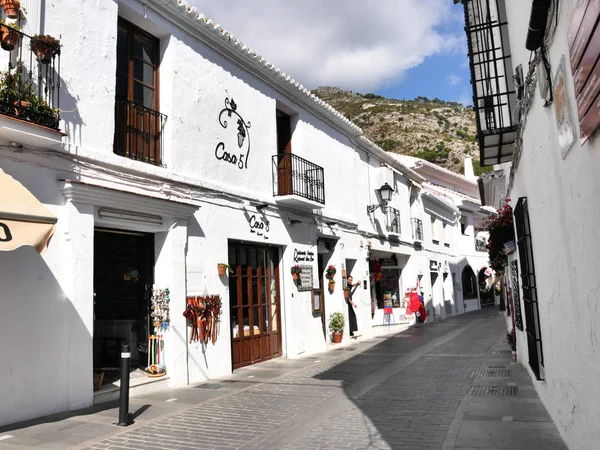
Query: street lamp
[(385, 192)]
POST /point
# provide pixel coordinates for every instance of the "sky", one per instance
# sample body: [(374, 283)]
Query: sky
[(395, 48)]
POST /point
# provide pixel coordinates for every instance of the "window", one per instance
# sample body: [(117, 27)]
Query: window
[(528, 282), (393, 220), (434, 232), (138, 124)]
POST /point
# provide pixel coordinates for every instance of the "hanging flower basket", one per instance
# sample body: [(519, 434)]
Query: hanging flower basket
[(330, 272), (500, 227), (296, 270), (346, 292), (11, 8), (9, 37), (45, 47), (223, 268), (331, 286)]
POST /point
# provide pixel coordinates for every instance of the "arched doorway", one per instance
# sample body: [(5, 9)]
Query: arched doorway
[(469, 289), (486, 291)]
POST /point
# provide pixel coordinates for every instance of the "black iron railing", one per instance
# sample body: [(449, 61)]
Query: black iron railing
[(393, 220), (494, 93), (293, 175), (30, 87), (417, 229), (138, 132)]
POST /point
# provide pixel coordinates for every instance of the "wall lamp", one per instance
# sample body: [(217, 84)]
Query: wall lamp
[(385, 193), (331, 223)]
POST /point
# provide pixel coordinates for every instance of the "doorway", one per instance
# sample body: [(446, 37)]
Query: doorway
[(123, 278), (254, 303), (284, 153)]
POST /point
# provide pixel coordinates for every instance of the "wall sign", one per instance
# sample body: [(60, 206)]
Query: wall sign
[(433, 266), (316, 301), (243, 137), (305, 280), (259, 226), (584, 48), (302, 256)]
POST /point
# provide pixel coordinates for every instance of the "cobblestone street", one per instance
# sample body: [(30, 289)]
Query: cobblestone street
[(449, 385)]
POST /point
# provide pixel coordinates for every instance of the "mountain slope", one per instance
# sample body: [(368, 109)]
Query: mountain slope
[(438, 131)]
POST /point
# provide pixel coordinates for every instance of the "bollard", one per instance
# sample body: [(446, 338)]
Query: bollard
[(125, 418)]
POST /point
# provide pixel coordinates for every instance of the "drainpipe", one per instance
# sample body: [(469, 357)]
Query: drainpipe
[(537, 24)]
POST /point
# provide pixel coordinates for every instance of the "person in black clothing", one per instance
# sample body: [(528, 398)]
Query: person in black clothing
[(351, 306)]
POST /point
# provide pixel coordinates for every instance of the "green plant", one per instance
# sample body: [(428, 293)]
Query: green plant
[(330, 272), (296, 270), (500, 227), (336, 322), (14, 26)]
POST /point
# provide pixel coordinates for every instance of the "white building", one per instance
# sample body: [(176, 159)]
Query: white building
[(549, 173)]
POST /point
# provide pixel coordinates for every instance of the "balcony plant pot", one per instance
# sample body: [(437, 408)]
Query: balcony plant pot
[(337, 338), (44, 47), (11, 8), (22, 104), (9, 38), (222, 268)]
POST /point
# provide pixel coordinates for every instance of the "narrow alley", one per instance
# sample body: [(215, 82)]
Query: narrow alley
[(448, 385)]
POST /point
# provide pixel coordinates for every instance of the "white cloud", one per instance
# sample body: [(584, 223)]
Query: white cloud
[(453, 79), (354, 44)]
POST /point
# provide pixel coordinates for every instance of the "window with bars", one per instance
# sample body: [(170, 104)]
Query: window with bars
[(529, 286), (393, 220)]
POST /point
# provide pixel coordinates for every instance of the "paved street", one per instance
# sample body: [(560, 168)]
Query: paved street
[(442, 386)]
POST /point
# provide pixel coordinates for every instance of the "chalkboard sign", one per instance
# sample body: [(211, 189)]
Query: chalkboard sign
[(305, 281)]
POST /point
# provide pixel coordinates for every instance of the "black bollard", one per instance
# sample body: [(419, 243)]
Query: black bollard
[(124, 416)]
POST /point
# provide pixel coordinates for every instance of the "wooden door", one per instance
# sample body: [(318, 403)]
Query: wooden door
[(284, 154), (254, 304)]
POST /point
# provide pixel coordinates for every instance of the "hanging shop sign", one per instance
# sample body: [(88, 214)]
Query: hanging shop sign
[(303, 256), (238, 158), (259, 226), (584, 49), (433, 266), (305, 280), (562, 109)]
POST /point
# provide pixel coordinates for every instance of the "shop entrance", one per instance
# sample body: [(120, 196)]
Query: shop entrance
[(254, 303), (123, 278)]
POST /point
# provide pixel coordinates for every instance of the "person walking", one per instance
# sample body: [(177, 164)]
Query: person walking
[(351, 305)]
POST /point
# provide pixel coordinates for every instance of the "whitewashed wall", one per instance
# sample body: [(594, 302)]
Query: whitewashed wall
[(563, 206)]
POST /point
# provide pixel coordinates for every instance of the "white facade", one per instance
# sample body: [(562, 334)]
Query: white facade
[(195, 207), (560, 197)]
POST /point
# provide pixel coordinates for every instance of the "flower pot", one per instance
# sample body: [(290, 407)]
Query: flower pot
[(11, 8), (337, 338), (222, 268), (294, 276), (43, 52), (22, 103), (331, 287), (346, 293), (9, 39)]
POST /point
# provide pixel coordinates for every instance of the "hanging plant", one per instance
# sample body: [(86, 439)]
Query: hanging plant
[(500, 227), (45, 47), (330, 272), (11, 8), (10, 35), (296, 270)]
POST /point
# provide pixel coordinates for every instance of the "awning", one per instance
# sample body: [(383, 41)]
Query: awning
[(23, 219)]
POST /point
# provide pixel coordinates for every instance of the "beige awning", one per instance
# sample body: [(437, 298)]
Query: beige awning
[(23, 219)]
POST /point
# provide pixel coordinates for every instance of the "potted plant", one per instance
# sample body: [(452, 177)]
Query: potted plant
[(500, 227), (9, 35), (330, 272), (347, 292), (296, 270), (336, 326), (331, 285), (45, 47), (222, 267), (511, 338), (11, 8)]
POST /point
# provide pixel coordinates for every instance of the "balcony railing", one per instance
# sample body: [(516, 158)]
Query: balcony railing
[(138, 132), (417, 229), (30, 88), (393, 220), (293, 175)]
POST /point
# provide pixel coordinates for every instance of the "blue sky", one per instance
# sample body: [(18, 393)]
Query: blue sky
[(394, 48)]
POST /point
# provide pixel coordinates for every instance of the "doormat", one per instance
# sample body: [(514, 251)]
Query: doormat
[(209, 386), (496, 391), (502, 352), (490, 373)]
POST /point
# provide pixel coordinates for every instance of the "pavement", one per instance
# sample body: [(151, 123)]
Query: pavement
[(450, 385)]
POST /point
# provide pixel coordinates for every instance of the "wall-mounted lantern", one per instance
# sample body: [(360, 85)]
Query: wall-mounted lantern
[(385, 193)]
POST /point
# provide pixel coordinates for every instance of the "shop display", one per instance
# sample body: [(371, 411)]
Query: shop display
[(160, 302), (203, 314)]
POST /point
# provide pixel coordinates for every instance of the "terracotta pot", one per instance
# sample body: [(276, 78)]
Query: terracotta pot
[(222, 268), (23, 104), (337, 338), (11, 8), (9, 39), (43, 52), (331, 287), (346, 293), (295, 276)]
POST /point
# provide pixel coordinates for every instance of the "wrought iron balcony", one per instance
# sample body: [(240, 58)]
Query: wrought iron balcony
[(494, 93), (417, 229), (138, 132), (30, 87), (295, 176)]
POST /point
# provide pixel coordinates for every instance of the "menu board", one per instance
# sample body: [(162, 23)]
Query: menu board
[(584, 48), (305, 280)]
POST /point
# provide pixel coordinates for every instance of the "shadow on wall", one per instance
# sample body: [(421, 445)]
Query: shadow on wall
[(69, 114), (38, 326)]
